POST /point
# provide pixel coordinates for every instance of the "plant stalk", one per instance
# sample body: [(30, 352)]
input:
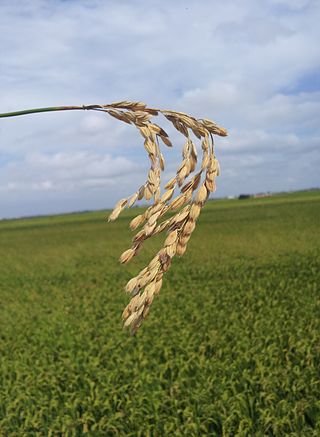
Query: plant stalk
[(49, 109)]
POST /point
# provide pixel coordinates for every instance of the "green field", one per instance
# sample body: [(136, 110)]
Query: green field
[(231, 346)]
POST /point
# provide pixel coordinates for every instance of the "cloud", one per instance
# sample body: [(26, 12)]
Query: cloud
[(65, 171), (250, 66), (49, 181)]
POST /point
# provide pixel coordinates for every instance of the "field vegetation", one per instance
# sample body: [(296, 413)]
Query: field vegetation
[(231, 345)]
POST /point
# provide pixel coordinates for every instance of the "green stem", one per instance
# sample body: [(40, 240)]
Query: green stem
[(50, 109)]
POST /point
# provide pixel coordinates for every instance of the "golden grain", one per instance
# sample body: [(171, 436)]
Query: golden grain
[(131, 285), (194, 211), (189, 228), (127, 255), (202, 194), (136, 221)]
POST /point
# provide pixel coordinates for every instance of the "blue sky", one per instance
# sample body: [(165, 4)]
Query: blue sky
[(251, 66)]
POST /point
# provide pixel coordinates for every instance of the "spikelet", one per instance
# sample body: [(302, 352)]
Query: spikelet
[(187, 204)]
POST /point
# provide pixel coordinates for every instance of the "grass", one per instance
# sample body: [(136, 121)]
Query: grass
[(231, 346)]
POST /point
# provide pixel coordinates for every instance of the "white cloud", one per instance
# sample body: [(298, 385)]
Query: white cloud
[(68, 171)]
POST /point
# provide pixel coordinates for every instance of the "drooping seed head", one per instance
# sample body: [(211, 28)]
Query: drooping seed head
[(182, 224)]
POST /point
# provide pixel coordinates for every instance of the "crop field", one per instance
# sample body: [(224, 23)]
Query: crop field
[(231, 346)]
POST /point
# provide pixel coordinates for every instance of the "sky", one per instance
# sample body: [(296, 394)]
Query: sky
[(251, 66)]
